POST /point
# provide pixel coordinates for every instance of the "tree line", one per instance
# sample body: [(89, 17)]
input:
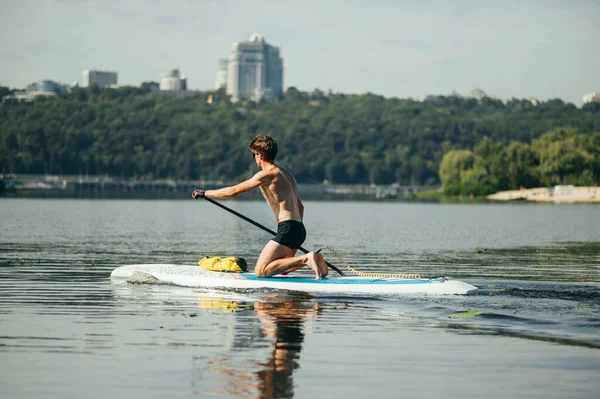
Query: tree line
[(561, 156), (351, 139)]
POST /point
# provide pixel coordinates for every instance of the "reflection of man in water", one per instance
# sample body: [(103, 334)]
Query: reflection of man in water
[(283, 321)]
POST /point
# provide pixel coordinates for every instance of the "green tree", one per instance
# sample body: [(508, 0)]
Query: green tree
[(492, 164), (566, 157), (5, 91), (521, 165), (454, 164)]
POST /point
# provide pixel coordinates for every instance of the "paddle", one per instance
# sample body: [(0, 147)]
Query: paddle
[(260, 226)]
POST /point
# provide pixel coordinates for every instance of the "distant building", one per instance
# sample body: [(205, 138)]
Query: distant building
[(99, 78), (255, 71), (173, 81), (25, 95), (45, 88), (591, 98), (150, 86), (222, 66)]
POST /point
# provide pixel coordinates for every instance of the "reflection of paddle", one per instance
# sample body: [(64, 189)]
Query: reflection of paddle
[(260, 226)]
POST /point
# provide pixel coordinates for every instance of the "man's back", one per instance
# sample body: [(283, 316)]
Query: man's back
[(281, 192)]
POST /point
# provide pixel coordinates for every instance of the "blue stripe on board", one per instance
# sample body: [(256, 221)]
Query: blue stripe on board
[(340, 280)]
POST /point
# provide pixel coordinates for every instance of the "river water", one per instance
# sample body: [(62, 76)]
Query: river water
[(532, 330)]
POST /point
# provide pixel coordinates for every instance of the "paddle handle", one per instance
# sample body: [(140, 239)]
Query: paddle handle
[(260, 226)]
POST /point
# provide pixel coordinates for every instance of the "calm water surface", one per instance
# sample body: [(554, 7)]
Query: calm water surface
[(533, 330)]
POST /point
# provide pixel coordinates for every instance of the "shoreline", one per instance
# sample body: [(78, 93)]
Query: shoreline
[(556, 194), (104, 187)]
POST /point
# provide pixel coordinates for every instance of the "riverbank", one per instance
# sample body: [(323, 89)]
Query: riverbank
[(106, 187), (556, 194), (46, 186)]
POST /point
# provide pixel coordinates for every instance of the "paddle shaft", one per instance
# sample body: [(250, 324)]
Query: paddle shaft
[(260, 226)]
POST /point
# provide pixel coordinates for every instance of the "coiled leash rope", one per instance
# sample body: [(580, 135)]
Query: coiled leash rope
[(362, 274)]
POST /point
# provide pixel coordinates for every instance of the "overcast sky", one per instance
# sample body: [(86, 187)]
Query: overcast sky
[(542, 49)]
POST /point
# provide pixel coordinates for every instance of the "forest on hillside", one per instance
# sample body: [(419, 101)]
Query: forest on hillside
[(133, 132)]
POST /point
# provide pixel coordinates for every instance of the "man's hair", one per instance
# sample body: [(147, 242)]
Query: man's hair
[(266, 146)]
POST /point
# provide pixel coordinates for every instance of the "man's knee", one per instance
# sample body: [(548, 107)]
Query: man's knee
[(261, 271)]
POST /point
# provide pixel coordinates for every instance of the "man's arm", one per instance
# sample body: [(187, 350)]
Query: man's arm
[(233, 191), (301, 208)]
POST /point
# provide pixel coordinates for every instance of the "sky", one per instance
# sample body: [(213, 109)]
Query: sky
[(526, 49)]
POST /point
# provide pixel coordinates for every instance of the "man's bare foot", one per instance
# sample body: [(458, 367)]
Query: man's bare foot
[(313, 263), (322, 265)]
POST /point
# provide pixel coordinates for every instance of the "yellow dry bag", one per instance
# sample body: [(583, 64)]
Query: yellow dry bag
[(229, 264)]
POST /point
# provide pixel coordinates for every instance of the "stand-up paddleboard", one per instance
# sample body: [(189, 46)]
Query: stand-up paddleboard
[(195, 276)]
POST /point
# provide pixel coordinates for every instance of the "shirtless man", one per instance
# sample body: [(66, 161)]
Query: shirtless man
[(279, 188)]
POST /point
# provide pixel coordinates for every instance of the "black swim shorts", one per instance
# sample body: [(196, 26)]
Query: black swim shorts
[(290, 233)]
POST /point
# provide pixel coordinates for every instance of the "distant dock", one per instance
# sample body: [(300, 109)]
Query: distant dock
[(556, 194)]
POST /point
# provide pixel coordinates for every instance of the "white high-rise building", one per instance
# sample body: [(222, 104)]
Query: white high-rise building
[(255, 71), (173, 81), (99, 78)]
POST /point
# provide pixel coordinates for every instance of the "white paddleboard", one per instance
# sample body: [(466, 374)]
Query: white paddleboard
[(195, 276)]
